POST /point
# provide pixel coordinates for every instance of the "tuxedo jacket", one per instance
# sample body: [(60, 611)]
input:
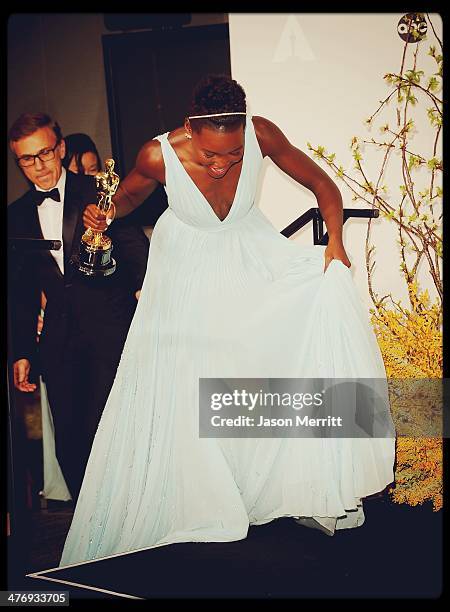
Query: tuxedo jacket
[(98, 307)]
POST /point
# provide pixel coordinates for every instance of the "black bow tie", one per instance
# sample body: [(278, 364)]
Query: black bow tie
[(39, 196)]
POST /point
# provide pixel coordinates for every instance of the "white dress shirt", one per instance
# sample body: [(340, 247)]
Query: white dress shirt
[(51, 219)]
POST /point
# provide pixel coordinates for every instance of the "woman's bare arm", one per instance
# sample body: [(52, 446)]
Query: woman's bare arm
[(133, 189), (141, 181), (304, 170)]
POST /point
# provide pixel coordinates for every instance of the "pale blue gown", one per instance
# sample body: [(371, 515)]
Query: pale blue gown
[(230, 298)]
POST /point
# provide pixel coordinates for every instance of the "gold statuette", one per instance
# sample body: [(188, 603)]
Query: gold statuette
[(95, 248)]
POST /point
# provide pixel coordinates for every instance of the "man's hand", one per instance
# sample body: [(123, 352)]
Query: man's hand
[(21, 369), (95, 219), (137, 294), (335, 250)]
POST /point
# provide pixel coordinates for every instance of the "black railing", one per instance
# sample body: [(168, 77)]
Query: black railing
[(33, 244), (319, 237)]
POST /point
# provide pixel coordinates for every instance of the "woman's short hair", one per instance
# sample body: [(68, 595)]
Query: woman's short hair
[(218, 93)]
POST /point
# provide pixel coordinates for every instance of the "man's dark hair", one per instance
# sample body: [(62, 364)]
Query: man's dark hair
[(218, 93), (76, 146), (28, 123)]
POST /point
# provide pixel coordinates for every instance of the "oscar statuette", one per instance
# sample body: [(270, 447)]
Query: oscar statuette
[(95, 248)]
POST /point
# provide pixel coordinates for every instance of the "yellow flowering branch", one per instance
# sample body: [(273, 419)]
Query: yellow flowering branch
[(410, 339)]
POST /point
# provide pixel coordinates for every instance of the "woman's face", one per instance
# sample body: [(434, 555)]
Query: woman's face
[(89, 163), (217, 150)]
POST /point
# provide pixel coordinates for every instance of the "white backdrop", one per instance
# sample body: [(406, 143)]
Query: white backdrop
[(319, 77)]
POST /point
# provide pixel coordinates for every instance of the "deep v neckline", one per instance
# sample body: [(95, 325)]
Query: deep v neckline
[(198, 189)]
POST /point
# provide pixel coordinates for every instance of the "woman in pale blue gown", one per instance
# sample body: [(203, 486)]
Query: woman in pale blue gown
[(225, 295)]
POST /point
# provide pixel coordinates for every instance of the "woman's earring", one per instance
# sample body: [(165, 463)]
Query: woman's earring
[(188, 135)]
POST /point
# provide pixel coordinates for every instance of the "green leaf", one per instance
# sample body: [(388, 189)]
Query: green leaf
[(432, 116), (433, 84), (433, 163), (414, 162)]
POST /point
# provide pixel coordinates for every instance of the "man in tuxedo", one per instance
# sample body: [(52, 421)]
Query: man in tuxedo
[(86, 318)]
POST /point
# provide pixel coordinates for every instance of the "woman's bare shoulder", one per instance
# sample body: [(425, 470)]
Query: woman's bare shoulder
[(178, 142), (150, 161), (265, 131), (151, 151), (269, 135)]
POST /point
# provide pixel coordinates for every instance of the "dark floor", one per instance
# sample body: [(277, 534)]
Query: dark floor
[(396, 553), (50, 529)]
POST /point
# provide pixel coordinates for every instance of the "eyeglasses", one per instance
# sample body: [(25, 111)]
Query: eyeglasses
[(44, 156)]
